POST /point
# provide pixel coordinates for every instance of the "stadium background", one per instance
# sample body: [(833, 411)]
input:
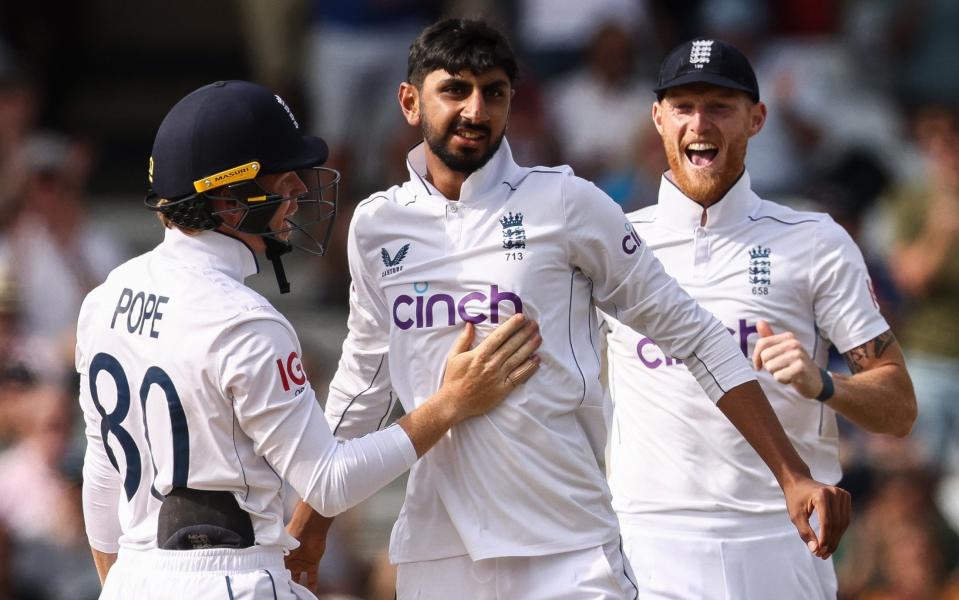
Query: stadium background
[(863, 98)]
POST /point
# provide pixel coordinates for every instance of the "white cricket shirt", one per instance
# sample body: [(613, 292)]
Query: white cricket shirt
[(522, 480), (188, 378), (671, 448)]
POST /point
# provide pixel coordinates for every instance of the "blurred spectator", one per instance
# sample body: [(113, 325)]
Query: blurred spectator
[(848, 189), (598, 109), (925, 263), (929, 48), (15, 380), (382, 580), (31, 483), (900, 547), (274, 32), (18, 112), (10, 589), (53, 251), (355, 60), (637, 183), (531, 136), (553, 34), (40, 497), (818, 103)]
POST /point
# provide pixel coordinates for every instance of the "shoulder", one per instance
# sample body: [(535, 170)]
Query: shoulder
[(643, 215), (534, 177), (372, 210), (773, 214), (132, 268), (810, 230), (378, 200)]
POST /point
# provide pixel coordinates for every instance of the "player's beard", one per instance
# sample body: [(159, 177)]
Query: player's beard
[(465, 162), (707, 186)]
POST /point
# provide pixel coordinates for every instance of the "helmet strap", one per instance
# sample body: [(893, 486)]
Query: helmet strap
[(275, 250)]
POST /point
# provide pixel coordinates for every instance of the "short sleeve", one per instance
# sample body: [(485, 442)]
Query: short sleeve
[(844, 303)]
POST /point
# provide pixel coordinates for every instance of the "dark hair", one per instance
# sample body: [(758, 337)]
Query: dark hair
[(456, 45)]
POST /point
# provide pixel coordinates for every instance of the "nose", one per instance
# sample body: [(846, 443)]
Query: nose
[(698, 121), (295, 185), (475, 109)]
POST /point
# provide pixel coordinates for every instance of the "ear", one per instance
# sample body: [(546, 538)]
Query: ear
[(409, 98), (658, 116), (757, 118)]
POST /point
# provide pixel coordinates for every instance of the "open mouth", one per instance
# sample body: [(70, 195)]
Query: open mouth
[(702, 154), (469, 135)]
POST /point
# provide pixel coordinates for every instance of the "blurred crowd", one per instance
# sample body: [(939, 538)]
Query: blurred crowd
[(863, 124)]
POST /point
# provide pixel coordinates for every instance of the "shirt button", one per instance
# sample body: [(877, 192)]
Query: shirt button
[(453, 208)]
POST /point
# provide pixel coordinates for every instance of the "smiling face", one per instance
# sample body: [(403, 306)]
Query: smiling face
[(705, 129), (462, 115)]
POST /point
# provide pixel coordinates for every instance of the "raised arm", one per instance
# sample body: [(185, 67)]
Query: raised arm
[(877, 396)]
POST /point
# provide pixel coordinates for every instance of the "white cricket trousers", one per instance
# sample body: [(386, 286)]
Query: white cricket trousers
[(598, 573), (255, 573), (723, 556)]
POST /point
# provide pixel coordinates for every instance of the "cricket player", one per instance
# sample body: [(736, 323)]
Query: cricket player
[(514, 504), (201, 424), (701, 516)]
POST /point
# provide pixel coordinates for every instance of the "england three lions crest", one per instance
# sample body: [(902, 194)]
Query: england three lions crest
[(514, 235), (760, 270)]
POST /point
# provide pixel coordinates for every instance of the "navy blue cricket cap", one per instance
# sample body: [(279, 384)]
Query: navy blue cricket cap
[(226, 132), (707, 61)]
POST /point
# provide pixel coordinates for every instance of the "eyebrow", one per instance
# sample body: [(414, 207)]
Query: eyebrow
[(501, 82)]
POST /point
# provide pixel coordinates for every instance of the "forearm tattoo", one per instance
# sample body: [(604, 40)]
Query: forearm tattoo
[(874, 348)]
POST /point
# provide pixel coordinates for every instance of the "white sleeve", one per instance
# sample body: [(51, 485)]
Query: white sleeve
[(630, 284), (101, 481), (846, 310), (276, 407), (361, 397)]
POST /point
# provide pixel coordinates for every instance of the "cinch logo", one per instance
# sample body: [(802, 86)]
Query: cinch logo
[(653, 357), (442, 310), (631, 242)]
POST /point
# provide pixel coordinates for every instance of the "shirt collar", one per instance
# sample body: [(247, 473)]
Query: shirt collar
[(477, 185), (210, 249), (679, 211)]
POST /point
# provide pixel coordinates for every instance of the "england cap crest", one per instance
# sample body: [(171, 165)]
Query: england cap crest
[(707, 61)]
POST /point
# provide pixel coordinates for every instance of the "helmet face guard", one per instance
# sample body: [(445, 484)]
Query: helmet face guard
[(309, 228)]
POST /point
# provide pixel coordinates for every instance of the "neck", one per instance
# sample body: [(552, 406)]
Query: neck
[(704, 198), (446, 180)]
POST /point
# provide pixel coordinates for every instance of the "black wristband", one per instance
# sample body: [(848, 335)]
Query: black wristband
[(827, 386)]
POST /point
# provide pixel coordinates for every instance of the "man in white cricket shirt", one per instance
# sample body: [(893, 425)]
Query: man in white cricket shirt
[(514, 505), (701, 516), (199, 416)]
